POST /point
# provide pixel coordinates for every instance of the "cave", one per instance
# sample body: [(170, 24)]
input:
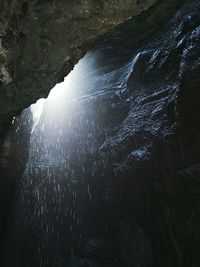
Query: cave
[(100, 133)]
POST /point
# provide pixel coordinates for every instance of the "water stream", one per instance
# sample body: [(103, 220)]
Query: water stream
[(59, 196), (104, 172)]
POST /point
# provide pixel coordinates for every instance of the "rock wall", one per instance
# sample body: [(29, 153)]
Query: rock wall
[(136, 149), (40, 41)]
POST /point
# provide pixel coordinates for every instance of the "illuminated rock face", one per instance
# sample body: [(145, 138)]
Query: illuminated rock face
[(121, 184), (40, 41)]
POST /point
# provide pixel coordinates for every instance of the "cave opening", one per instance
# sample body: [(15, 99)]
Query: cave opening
[(48, 147), (61, 203), (105, 171)]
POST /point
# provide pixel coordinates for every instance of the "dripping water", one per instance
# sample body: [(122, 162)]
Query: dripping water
[(59, 184)]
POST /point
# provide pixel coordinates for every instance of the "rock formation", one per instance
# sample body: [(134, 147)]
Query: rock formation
[(40, 41), (137, 153)]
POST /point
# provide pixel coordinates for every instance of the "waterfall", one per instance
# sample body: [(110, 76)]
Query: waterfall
[(59, 184), (103, 172)]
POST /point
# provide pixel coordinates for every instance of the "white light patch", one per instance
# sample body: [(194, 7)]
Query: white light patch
[(36, 110), (65, 98), (71, 88), (13, 120)]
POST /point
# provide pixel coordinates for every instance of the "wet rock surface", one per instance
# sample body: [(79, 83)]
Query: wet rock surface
[(127, 191), (40, 41)]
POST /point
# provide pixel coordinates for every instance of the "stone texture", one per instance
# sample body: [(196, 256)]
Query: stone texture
[(40, 41), (140, 158)]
